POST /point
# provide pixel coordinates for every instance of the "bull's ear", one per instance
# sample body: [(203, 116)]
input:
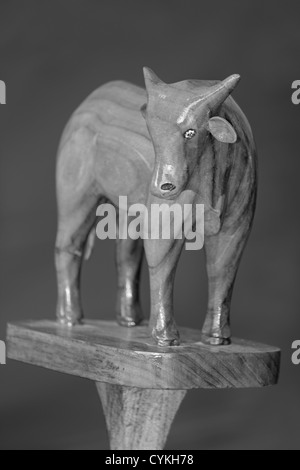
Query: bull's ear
[(143, 110), (222, 130)]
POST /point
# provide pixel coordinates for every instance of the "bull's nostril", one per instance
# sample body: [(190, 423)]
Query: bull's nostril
[(167, 187)]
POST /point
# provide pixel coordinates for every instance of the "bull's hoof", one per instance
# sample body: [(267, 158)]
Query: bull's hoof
[(216, 340), (69, 315), (168, 342), (69, 322), (128, 322), (165, 339), (128, 314)]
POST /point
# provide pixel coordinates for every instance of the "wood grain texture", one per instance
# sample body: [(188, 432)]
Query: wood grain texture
[(106, 352), (138, 418)]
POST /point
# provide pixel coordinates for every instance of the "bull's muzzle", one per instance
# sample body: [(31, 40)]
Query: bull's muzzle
[(167, 187), (168, 181), (166, 190)]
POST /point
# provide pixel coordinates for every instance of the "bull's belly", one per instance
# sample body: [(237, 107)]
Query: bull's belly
[(124, 164)]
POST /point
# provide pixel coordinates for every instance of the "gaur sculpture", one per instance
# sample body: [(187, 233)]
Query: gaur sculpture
[(187, 143)]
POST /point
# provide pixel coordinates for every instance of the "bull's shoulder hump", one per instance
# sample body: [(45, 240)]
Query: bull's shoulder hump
[(114, 104), (124, 93)]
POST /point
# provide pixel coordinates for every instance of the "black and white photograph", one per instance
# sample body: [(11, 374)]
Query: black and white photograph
[(149, 227)]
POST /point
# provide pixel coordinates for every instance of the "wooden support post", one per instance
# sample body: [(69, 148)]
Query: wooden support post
[(141, 385), (138, 418)]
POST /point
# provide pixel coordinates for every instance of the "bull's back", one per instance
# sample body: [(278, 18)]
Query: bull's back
[(123, 157), (115, 104)]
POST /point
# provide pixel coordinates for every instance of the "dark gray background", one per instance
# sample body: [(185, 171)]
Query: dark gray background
[(52, 54)]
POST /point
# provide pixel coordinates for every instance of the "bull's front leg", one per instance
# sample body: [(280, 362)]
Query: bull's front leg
[(162, 257)]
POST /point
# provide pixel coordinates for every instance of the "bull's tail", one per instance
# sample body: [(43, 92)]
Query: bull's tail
[(90, 244)]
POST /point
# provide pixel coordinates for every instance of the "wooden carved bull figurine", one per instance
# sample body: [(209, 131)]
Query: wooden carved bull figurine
[(186, 142)]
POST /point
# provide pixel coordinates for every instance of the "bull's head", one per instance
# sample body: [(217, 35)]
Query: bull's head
[(179, 118)]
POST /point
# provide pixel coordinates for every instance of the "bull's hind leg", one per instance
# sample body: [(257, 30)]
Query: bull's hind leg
[(129, 255), (74, 227), (77, 198), (223, 254)]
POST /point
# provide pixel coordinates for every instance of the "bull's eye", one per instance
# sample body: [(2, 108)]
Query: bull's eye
[(189, 134)]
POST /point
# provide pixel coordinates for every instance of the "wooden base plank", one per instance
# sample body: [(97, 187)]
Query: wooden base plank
[(106, 352)]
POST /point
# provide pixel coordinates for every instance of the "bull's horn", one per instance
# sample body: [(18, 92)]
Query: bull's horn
[(151, 78), (220, 92)]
